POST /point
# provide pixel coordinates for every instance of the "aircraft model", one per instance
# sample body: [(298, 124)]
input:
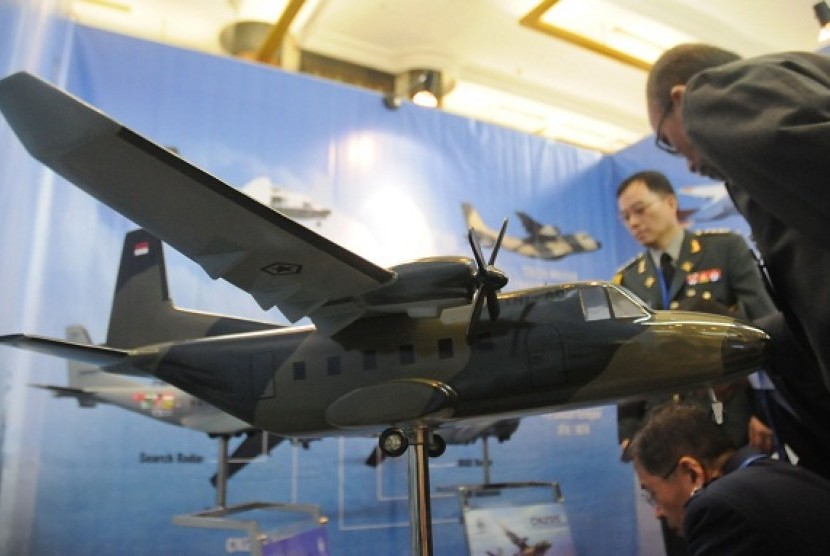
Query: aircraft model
[(289, 203), (543, 241), (91, 386), (390, 349), (717, 206)]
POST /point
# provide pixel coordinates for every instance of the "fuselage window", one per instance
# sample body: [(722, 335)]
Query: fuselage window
[(445, 348), (594, 303), (370, 360), (333, 365), (407, 354), (299, 370)]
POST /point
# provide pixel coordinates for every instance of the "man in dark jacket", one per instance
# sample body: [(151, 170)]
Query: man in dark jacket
[(763, 125), (726, 501)]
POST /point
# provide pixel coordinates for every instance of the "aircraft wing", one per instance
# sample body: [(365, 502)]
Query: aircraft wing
[(530, 225), (279, 262)]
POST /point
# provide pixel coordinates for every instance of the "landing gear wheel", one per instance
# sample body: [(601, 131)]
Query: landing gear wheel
[(437, 446), (393, 442)]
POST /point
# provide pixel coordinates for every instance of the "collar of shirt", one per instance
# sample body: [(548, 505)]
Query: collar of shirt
[(672, 249)]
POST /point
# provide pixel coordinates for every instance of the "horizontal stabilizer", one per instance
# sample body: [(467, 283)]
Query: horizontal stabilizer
[(85, 399), (94, 355)]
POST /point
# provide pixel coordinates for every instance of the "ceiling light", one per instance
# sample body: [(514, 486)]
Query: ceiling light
[(423, 87), (605, 28), (243, 38)]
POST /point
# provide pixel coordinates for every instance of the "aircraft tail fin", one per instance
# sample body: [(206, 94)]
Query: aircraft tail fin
[(472, 217), (486, 235), (142, 311)]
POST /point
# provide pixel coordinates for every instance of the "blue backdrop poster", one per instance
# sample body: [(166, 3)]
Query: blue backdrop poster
[(389, 185)]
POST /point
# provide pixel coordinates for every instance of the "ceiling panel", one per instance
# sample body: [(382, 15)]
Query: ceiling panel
[(541, 80)]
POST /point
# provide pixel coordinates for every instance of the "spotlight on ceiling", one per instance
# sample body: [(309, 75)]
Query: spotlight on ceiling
[(244, 38), (423, 87)]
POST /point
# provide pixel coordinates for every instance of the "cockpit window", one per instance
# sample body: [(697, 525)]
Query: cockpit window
[(624, 307), (597, 305), (594, 303)]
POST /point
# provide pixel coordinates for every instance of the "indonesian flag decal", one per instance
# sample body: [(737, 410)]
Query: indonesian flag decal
[(141, 248)]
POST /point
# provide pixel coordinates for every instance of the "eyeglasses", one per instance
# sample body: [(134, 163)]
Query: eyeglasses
[(659, 141), (648, 495), (637, 209)]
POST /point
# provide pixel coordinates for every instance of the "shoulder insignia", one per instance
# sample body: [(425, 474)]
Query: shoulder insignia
[(630, 263), (694, 246)]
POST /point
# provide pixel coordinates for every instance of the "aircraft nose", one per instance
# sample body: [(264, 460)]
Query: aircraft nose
[(745, 348)]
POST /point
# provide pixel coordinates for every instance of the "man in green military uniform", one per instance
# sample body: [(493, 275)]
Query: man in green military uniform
[(715, 265), (677, 268)]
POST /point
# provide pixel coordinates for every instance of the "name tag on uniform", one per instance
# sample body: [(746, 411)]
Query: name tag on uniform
[(703, 276)]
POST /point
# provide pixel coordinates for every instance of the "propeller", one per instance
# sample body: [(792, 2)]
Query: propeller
[(489, 280)]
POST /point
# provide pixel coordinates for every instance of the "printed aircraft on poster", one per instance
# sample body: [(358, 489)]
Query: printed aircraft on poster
[(717, 203), (90, 386), (396, 351), (289, 203), (542, 241)]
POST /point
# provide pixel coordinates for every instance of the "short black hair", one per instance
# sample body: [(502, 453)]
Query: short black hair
[(678, 64), (654, 180), (673, 430)]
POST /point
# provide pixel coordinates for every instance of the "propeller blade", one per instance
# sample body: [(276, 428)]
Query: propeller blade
[(493, 305), (478, 302), (471, 235), (498, 242), (488, 280)]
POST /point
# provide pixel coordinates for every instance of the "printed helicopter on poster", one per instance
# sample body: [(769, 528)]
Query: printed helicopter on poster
[(388, 349)]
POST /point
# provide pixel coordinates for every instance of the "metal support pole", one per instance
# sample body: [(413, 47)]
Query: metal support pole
[(485, 452), (419, 502), (222, 472)]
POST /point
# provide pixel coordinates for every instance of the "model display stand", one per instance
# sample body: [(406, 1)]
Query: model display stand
[(307, 528), (521, 518), (262, 543)]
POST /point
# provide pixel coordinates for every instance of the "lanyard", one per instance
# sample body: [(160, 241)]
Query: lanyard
[(664, 291)]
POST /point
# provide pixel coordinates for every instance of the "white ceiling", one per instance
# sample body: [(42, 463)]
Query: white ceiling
[(504, 72)]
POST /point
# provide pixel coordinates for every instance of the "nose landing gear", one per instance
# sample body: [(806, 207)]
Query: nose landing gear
[(394, 442)]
